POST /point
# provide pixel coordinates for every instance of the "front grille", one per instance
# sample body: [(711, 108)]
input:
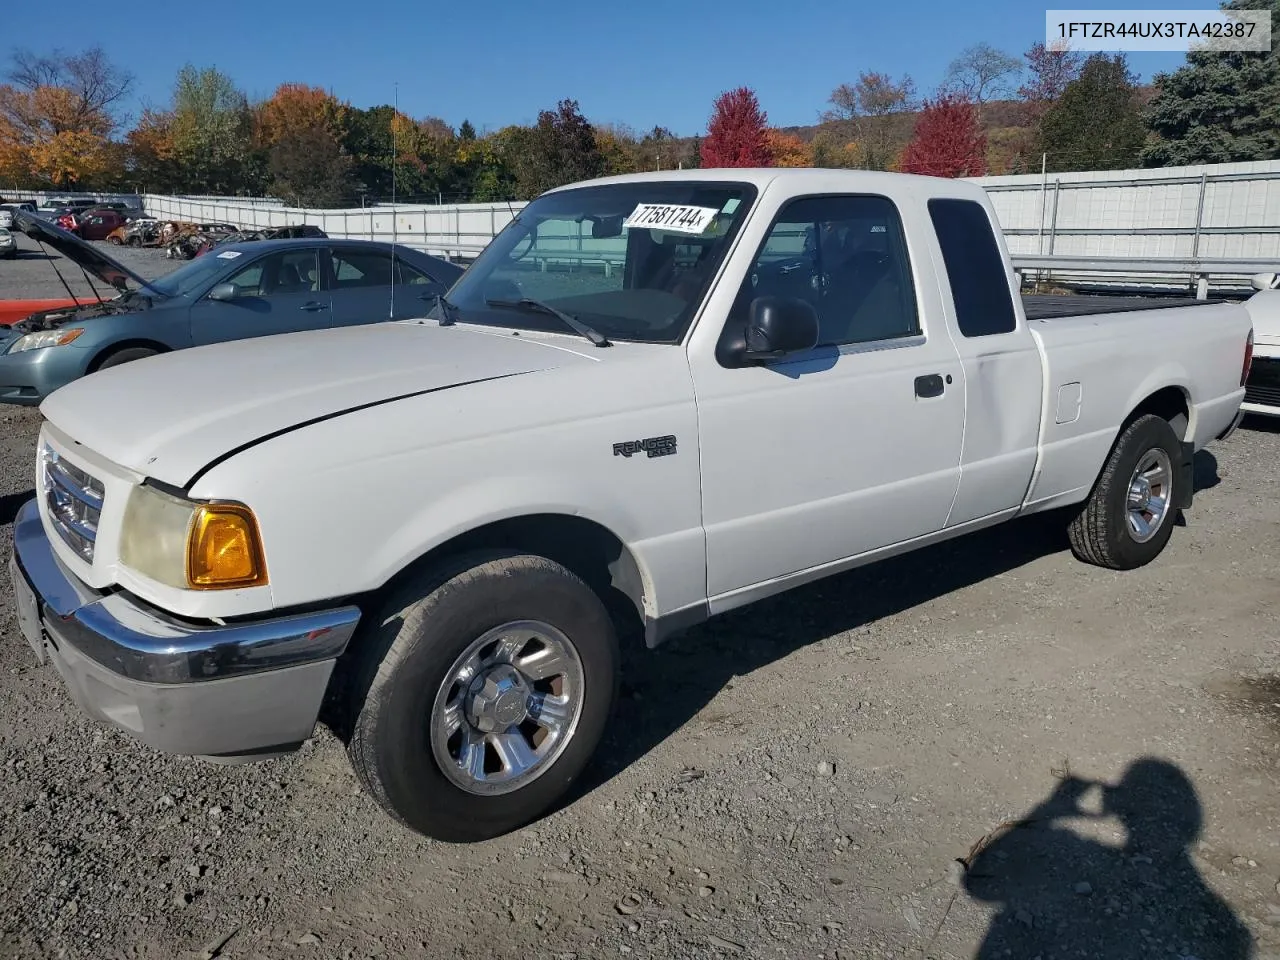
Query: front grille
[(1263, 385), (74, 500)]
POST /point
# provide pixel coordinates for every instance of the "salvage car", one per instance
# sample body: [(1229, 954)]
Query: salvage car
[(244, 291), (651, 399), (97, 224)]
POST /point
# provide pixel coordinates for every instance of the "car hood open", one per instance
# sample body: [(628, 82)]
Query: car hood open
[(87, 257)]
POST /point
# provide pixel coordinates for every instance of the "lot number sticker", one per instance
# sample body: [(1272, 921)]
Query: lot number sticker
[(228, 254), (676, 217)]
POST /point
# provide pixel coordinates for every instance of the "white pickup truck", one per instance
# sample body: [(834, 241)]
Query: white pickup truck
[(685, 391)]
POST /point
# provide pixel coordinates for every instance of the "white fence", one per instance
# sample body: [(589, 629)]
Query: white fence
[(1208, 212), (458, 231)]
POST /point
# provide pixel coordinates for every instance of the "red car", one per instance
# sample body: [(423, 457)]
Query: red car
[(94, 224)]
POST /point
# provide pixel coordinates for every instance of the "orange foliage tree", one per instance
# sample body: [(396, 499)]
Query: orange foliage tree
[(788, 150), (47, 139), (295, 107)]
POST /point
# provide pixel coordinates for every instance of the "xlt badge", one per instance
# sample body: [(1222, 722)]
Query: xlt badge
[(653, 446)]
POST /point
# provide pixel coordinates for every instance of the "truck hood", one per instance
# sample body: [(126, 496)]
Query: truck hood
[(170, 416), (87, 257)]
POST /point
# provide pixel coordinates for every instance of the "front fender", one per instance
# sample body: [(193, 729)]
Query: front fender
[(346, 504)]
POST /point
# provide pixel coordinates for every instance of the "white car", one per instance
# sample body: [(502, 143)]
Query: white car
[(6, 218), (652, 399), (1262, 391), (8, 244)]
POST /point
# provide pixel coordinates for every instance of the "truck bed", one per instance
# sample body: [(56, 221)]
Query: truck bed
[(1044, 306)]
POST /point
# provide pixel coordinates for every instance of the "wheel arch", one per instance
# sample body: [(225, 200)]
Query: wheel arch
[(100, 357), (586, 547), (1171, 403)]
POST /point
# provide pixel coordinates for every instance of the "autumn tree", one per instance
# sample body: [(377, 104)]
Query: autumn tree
[(95, 87), (1049, 70), (560, 148), (829, 151), (1221, 107), (295, 107), (980, 73), (1096, 124), (736, 133), (56, 118), (948, 140), (788, 150), (150, 157), (871, 105), (618, 150)]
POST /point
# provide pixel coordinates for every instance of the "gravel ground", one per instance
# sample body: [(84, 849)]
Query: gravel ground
[(798, 779), (31, 274)]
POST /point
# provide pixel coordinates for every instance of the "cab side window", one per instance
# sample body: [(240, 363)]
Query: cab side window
[(847, 256)]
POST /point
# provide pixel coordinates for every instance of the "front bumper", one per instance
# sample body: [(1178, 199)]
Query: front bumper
[(27, 378), (252, 688)]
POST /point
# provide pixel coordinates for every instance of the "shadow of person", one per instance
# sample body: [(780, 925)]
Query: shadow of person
[(1063, 894)]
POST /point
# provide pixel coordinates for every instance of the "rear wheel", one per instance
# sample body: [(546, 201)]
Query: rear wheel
[(1129, 517), (480, 695)]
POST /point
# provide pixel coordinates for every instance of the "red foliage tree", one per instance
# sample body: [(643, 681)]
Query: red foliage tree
[(736, 135), (948, 141)]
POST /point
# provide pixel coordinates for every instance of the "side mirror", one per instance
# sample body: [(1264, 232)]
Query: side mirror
[(1265, 281), (777, 326), (224, 292)]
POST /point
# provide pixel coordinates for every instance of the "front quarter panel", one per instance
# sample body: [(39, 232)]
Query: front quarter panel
[(346, 503)]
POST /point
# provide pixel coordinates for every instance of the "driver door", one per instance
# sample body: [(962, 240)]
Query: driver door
[(281, 292), (846, 448)]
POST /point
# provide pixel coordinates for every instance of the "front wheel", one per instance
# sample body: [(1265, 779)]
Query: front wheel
[(1129, 517), (125, 355), (480, 695)]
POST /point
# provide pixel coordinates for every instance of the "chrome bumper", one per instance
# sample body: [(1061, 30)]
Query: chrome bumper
[(238, 689)]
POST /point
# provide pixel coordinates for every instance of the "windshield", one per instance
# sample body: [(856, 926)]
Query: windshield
[(191, 279), (633, 260)]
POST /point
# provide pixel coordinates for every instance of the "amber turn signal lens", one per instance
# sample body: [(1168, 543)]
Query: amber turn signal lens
[(224, 549)]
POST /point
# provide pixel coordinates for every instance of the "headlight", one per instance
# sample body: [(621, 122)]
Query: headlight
[(189, 545), (44, 338)]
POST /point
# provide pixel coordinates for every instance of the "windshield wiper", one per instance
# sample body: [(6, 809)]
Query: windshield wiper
[(524, 303)]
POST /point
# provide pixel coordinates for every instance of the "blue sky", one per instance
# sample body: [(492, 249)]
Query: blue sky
[(640, 63)]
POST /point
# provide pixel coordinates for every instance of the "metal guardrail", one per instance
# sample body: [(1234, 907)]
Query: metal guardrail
[(1147, 270)]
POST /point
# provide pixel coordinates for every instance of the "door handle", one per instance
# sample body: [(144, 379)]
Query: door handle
[(929, 385), (312, 306)]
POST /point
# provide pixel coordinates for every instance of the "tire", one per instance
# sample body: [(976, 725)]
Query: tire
[(1102, 532), (402, 678), (114, 240), (127, 355)]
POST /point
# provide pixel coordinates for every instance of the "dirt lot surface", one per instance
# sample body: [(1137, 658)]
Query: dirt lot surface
[(981, 749), (798, 779)]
